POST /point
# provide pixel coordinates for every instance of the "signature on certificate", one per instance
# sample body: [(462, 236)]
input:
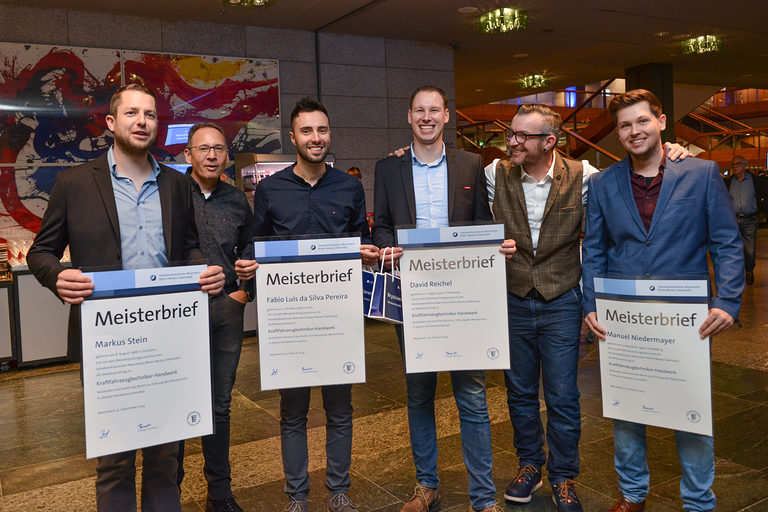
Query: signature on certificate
[(449, 353), (274, 371), (104, 433), (144, 426), (419, 355)]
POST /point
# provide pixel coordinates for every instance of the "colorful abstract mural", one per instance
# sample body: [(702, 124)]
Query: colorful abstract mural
[(53, 101)]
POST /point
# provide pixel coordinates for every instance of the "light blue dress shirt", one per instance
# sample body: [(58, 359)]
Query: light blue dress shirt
[(140, 217), (430, 187)]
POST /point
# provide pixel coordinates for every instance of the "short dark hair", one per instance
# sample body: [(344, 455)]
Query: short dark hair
[(633, 97), (200, 126), (553, 123), (429, 88), (134, 86), (307, 104)]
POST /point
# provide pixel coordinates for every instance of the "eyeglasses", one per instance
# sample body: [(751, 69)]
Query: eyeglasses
[(521, 137), (205, 149)]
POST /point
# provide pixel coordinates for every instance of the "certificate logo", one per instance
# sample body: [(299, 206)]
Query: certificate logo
[(652, 288), (693, 416), (349, 367), (493, 353), (193, 418), (455, 234), (153, 277), (312, 247)]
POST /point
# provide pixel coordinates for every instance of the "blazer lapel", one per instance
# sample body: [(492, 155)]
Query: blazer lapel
[(453, 172), (625, 191), (665, 194), (558, 171), (515, 180), (101, 174), (166, 209), (406, 175)]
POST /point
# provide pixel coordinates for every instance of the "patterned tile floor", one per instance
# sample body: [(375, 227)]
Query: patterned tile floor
[(43, 467)]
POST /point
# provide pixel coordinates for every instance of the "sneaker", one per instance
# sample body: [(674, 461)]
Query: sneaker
[(564, 496), (526, 482), (296, 506), (225, 505), (423, 499), (624, 505), (340, 503)]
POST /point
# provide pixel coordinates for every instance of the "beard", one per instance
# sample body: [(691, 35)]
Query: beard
[(128, 146), (305, 155)]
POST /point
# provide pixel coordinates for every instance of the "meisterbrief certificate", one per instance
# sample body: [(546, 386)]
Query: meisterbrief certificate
[(454, 296), (146, 359), (310, 302), (654, 367)]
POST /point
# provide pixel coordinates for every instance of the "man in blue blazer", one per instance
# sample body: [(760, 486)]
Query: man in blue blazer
[(647, 215)]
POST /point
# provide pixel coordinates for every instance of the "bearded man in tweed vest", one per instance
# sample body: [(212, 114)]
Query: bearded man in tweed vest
[(540, 196)]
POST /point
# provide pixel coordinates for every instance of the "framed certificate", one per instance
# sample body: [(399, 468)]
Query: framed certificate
[(654, 367), (146, 359), (454, 296), (310, 307)]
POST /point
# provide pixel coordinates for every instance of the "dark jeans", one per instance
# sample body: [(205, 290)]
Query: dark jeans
[(748, 229), (294, 406), (544, 339), (226, 319), (116, 481), (475, 424)]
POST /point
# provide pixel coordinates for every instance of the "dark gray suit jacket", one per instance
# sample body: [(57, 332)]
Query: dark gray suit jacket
[(394, 200), (82, 214)]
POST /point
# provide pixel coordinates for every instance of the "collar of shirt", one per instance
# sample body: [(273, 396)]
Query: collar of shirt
[(298, 179), (524, 176), (196, 185), (661, 165), (113, 165), (436, 163)]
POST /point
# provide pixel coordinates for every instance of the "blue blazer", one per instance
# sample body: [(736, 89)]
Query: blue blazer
[(693, 216)]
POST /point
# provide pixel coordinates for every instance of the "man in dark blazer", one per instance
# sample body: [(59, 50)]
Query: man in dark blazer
[(433, 186), (649, 216), (122, 210)]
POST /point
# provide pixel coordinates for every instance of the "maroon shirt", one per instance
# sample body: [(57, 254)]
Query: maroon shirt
[(646, 191)]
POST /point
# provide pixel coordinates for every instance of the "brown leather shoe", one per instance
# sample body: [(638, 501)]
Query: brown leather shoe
[(624, 505), (494, 508), (423, 499)]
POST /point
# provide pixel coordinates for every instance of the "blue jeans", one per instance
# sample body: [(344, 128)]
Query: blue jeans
[(226, 318), (697, 461), (469, 393), (294, 406), (544, 338)]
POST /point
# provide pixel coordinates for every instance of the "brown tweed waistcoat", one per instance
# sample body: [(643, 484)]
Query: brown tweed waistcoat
[(556, 268)]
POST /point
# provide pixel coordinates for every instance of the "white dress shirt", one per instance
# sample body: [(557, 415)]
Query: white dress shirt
[(536, 193)]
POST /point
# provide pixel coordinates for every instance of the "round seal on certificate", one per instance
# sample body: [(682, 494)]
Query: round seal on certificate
[(493, 353), (193, 418), (693, 416), (349, 367)]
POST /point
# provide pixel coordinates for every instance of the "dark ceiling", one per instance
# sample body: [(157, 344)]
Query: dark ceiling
[(575, 42)]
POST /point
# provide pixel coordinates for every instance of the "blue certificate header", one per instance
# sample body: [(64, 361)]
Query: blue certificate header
[(676, 290), (142, 281), (458, 235), (272, 251)]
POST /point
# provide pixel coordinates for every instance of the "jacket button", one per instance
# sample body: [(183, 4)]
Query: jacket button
[(647, 244)]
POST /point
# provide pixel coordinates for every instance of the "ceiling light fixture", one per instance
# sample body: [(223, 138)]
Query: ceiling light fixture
[(702, 44), (500, 21), (533, 81), (246, 3), (467, 10)]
